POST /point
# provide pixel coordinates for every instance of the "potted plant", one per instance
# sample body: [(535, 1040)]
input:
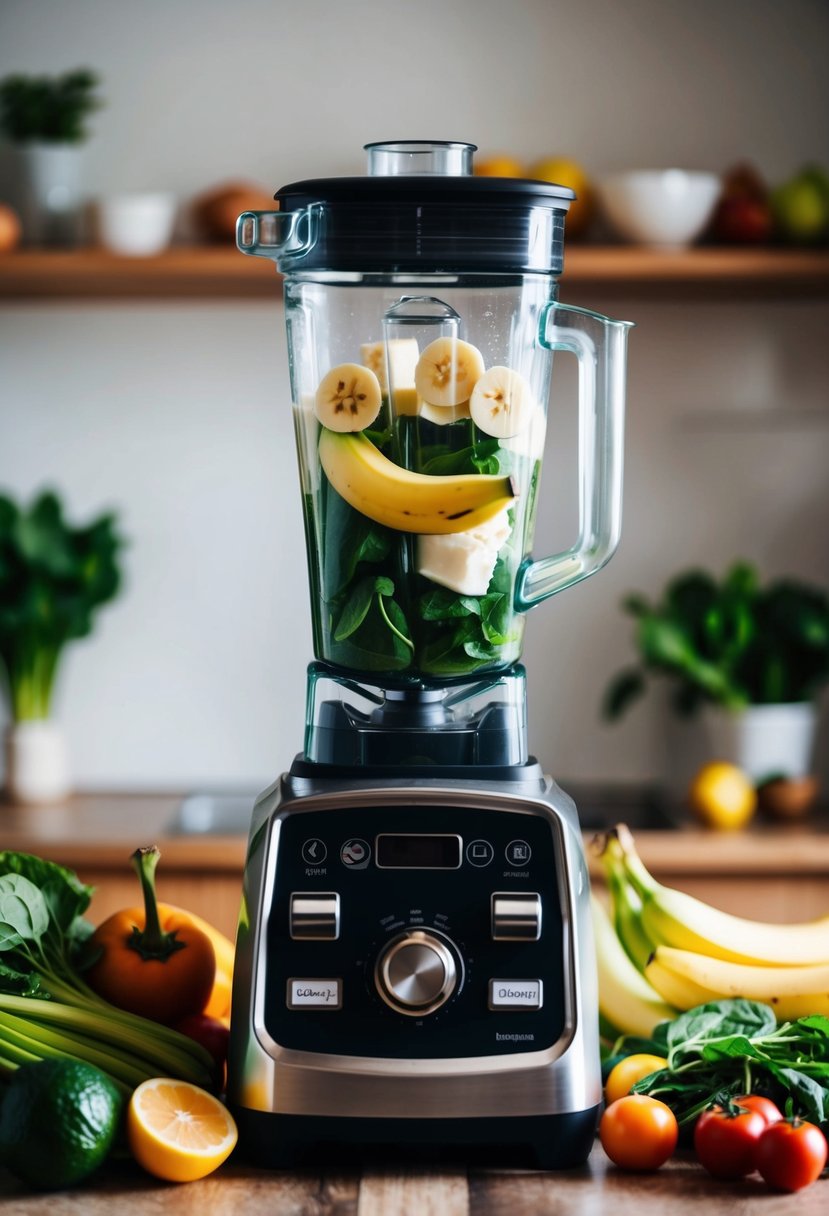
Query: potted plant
[(45, 119), (749, 659), (53, 579)]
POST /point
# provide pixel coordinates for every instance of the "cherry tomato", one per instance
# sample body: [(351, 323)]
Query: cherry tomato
[(791, 1154), (627, 1072), (726, 1141), (763, 1106), (638, 1132)]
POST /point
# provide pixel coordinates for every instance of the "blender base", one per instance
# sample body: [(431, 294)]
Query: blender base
[(546, 1142)]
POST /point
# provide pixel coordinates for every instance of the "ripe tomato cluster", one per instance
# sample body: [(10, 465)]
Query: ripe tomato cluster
[(640, 1133)]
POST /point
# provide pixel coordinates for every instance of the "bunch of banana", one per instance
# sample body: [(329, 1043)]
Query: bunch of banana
[(690, 953)]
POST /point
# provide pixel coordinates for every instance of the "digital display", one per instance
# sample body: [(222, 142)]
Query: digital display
[(395, 852)]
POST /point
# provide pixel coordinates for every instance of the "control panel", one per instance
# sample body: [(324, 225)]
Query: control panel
[(414, 931)]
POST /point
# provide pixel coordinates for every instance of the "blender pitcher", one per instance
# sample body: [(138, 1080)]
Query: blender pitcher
[(422, 318)]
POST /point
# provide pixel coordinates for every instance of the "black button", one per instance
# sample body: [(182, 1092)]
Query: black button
[(518, 853), (314, 852), (479, 853)]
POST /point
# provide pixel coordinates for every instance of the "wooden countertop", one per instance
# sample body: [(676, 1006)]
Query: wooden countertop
[(596, 1190), (102, 830)]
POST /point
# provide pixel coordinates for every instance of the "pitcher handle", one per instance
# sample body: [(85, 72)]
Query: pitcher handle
[(600, 345), (282, 235)]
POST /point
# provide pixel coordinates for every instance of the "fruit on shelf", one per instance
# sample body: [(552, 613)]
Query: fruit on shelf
[(215, 212), (498, 166), (502, 403), (565, 172), (722, 797), (10, 229), (348, 398), (743, 215), (406, 501), (801, 207), (447, 371)]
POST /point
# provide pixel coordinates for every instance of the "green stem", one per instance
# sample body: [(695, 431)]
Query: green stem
[(151, 942), (28, 1036), (392, 627)]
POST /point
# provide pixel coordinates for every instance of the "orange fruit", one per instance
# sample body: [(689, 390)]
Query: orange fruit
[(565, 172), (498, 166), (177, 1131)]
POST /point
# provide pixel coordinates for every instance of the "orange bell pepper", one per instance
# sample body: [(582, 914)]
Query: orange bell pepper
[(152, 961)]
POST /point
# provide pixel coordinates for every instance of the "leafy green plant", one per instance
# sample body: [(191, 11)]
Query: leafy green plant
[(48, 108), (730, 1047), (53, 578), (733, 643)]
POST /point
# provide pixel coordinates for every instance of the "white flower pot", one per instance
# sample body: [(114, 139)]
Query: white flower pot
[(764, 740), (50, 194), (37, 768)]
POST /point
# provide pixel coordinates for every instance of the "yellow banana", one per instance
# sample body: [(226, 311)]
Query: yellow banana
[(626, 999), (679, 991), (673, 918), (793, 992), (407, 501)]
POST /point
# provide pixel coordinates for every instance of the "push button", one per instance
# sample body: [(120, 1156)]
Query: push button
[(315, 916), (314, 994), (516, 994), (516, 917)]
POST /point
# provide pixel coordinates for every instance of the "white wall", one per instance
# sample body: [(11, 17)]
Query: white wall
[(177, 413)]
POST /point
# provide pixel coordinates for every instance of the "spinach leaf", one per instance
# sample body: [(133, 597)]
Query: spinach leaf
[(809, 1093), (356, 609), (719, 1019), (443, 605), (24, 914), (20, 983), (496, 618)]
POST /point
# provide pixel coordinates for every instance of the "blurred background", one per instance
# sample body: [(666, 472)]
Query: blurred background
[(174, 412)]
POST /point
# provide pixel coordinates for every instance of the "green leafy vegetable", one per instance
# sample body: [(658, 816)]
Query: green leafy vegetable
[(46, 1009), (48, 108), (733, 643), (53, 579), (731, 1047)]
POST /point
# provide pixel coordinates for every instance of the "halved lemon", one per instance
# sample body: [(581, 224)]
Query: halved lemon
[(177, 1131)]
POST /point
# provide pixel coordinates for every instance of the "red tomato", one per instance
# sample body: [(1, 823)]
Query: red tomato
[(791, 1154), (638, 1132), (725, 1143), (210, 1032), (763, 1106)]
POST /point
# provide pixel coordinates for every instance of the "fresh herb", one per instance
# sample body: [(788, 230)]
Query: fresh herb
[(725, 1048), (733, 643), (53, 579), (46, 1008), (48, 108)]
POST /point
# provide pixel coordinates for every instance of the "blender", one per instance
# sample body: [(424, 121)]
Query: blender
[(414, 970)]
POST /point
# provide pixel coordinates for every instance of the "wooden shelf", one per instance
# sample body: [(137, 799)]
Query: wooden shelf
[(223, 273)]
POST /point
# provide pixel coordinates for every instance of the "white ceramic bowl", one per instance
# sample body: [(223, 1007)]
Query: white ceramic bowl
[(136, 225), (661, 206)]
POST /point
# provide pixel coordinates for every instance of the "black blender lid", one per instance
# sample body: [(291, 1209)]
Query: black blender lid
[(403, 216)]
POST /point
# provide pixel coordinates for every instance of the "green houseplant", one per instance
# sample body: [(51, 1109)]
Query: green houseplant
[(53, 579), (758, 654), (45, 118)]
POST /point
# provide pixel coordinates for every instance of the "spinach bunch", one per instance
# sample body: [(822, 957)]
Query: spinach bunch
[(731, 643), (53, 579), (470, 631), (725, 1048)]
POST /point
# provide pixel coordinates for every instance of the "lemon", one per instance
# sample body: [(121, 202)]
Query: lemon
[(722, 796), (624, 1075), (177, 1131), (498, 166), (59, 1121), (565, 172)]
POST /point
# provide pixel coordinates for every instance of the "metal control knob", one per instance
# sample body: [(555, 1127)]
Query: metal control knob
[(416, 973)]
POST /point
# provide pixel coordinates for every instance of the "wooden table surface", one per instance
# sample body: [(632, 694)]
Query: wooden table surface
[(679, 1187)]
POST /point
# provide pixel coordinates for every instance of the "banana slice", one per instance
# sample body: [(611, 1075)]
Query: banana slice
[(442, 415), (502, 403), (402, 355), (348, 398), (447, 371)]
